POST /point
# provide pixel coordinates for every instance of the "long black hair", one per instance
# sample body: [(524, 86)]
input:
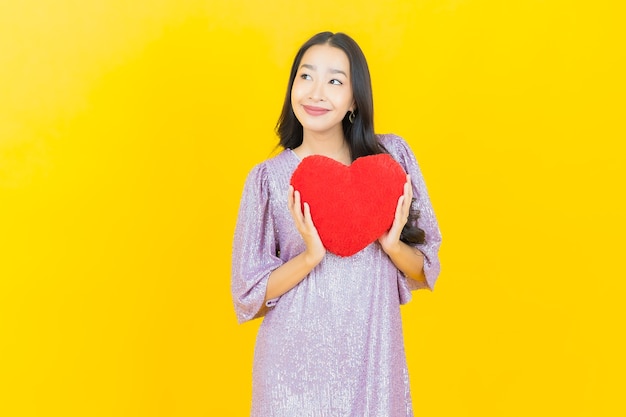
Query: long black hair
[(359, 133)]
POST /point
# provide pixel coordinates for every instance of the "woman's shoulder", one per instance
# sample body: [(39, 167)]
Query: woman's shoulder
[(399, 149), (393, 143), (284, 161)]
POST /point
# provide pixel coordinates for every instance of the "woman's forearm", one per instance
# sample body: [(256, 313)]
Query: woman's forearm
[(409, 260), (289, 274)]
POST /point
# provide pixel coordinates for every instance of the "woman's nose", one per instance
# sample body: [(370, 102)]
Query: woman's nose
[(317, 91)]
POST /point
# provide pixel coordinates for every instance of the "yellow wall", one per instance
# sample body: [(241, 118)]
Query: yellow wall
[(126, 132)]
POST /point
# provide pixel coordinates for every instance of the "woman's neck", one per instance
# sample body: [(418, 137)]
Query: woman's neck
[(335, 147)]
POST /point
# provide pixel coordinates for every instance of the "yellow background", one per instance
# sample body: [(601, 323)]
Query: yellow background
[(127, 129)]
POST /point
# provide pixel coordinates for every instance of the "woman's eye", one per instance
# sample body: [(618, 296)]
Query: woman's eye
[(305, 76), (336, 82)]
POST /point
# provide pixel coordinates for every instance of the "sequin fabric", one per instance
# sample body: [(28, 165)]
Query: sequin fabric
[(333, 345)]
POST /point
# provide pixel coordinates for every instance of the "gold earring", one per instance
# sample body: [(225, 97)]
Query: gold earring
[(351, 117)]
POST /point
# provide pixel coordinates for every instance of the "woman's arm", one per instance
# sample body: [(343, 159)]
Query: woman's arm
[(409, 260), (289, 274), (406, 258)]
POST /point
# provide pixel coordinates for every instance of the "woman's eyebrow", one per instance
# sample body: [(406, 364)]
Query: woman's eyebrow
[(337, 71), (332, 70)]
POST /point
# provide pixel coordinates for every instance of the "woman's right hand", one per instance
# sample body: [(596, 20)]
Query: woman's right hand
[(315, 250)]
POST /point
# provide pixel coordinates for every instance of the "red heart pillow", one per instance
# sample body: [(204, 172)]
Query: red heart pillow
[(351, 206)]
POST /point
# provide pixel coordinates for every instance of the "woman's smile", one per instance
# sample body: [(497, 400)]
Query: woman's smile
[(315, 111)]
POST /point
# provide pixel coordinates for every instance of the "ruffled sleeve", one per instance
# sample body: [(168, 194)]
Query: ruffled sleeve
[(427, 221), (255, 247)]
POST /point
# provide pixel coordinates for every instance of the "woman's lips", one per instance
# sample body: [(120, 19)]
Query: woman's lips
[(315, 111)]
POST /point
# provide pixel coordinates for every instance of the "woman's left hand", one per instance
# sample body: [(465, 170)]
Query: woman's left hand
[(390, 240)]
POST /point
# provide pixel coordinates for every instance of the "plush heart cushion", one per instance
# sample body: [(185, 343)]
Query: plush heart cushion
[(351, 206)]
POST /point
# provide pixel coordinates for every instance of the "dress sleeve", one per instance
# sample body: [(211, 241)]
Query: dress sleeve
[(426, 221), (254, 253)]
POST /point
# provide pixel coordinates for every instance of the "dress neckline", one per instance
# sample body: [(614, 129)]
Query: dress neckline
[(291, 151), (294, 154)]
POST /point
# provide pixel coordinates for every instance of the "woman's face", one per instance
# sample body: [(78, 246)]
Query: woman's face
[(321, 94)]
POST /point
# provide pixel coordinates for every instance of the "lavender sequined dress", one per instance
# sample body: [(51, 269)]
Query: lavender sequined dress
[(332, 346)]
